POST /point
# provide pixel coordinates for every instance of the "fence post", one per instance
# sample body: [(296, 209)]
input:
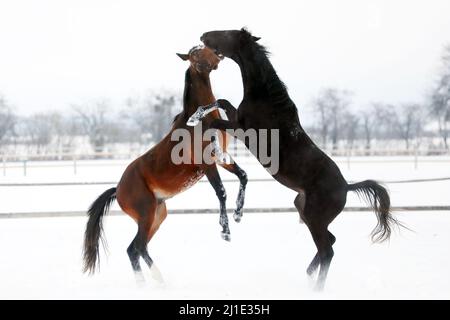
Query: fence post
[(416, 160), (348, 159), (24, 168), (75, 165)]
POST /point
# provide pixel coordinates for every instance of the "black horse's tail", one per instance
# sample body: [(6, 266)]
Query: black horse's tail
[(94, 229), (378, 197)]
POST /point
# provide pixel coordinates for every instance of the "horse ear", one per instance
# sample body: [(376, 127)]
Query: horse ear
[(183, 56), (256, 38)]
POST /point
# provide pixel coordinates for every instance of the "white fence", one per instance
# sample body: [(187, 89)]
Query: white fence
[(54, 175), (345, 157)]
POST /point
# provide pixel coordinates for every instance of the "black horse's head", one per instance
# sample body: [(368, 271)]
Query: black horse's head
[(228, 42)]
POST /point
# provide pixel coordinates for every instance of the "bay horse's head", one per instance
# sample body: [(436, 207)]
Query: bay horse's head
[(228, 42), (202, 59)]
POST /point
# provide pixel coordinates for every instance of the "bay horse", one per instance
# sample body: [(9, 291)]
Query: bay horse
[(153, 177), (303, 167)]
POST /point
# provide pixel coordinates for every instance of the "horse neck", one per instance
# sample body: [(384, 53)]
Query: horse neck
[(200, 91), (258, 75)]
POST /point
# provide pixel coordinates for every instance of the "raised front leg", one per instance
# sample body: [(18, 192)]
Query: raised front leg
[(235, 169), (230, 110), (202, 111), (216, 182)]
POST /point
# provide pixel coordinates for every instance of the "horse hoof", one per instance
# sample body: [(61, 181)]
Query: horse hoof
[(225, 158), (311, 271), (192, 122), (196, 117), (156, 274), (319, 287), (226, 236), (237, 217), (140, 280)]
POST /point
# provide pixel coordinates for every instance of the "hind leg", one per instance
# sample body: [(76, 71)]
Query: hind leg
[(314, 265), (134, 256), (318, 213), (325, 252), (144, 213), (214, 179), (161, 214), (299, 203), (236, 170)]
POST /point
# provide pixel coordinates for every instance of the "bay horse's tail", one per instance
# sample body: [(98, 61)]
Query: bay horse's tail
[(378, 198), (94, 229)]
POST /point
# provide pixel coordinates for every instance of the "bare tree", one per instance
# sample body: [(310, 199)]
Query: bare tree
[(96, 122), (440, 98), (137, 120), (153, 115), (164, 108), (39, 130), (370, 118), (68, 129), (350, 128), (7, 120), (331, 105), (64, 129), (385, 120), (409, 122)]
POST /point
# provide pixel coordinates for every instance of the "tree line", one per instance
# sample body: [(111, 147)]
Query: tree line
[(139, 120), (145, 120), (338, 126)]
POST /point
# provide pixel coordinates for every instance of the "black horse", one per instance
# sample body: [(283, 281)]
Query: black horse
[(303, 167)]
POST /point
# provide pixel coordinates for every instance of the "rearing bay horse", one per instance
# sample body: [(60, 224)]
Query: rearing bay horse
[(303, 167), (152, 178)]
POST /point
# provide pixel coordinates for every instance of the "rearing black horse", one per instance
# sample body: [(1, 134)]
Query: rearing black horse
[(303, 167)]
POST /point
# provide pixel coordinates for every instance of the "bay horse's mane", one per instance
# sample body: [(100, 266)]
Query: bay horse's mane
[(186, 95)]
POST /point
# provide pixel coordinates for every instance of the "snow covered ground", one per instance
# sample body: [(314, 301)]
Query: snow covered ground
[(266, 259)]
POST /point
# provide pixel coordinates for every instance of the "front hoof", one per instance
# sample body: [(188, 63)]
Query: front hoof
[(237, 217), (192, 122), (223, 102), (223, 157), (226, 236)]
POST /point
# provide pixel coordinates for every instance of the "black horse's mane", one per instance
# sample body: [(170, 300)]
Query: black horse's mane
[(268, 78), (186, 95)]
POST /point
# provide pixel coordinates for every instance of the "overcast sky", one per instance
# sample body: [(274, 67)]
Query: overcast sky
[(54, 53)]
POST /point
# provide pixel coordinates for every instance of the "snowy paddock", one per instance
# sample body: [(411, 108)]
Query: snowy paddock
[(266, 259)]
